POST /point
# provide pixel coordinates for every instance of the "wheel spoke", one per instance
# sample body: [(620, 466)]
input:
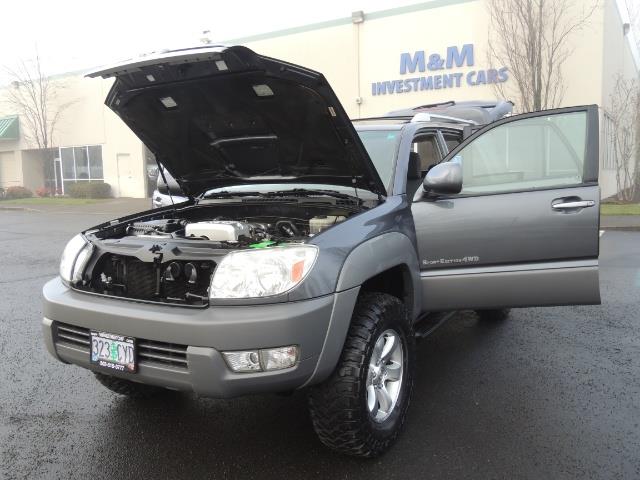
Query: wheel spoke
[(390, 345), (372, 401), (394, 371), (377, 351), (384, 399)]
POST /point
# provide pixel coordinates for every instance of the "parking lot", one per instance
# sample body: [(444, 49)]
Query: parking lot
[(550, 393)]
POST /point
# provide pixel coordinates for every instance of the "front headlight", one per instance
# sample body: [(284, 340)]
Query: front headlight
[(74, 258), (262, 272)]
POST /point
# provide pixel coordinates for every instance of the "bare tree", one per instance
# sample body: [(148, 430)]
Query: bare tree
[(34, 96), (625, 116), (531, 38)]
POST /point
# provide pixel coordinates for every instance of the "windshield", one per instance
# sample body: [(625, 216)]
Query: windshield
[(381, 146)]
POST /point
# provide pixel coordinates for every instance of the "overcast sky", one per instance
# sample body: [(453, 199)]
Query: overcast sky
[(73, 35)]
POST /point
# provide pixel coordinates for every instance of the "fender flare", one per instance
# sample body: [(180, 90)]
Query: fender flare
[(360, 265), (377, 255)]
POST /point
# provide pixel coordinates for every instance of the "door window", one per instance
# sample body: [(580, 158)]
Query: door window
[(451, 140), (427, 149), (532, 153)]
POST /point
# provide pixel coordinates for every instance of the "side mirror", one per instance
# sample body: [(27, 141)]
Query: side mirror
[(445, 178)]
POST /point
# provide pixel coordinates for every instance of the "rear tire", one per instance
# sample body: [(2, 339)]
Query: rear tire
[(128, 388), (497, 315), (360, 409)]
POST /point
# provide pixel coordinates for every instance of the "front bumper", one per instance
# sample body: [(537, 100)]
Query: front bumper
[(315, 325)]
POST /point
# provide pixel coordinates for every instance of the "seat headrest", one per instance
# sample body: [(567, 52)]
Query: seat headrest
[(414, 172)]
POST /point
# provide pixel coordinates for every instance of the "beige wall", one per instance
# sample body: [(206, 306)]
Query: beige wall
[(32, 168), (10, 172), (334, 51), (86, 121)]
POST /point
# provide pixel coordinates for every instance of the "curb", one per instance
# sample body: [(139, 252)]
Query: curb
[(622, 229), (18, 208)]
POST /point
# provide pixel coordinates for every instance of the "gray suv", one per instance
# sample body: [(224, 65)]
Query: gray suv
[(310, 253)]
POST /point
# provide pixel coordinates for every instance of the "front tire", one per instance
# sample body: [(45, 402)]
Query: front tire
[(360, 409)]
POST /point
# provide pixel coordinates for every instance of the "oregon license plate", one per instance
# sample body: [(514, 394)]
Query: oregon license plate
[(114, 352)]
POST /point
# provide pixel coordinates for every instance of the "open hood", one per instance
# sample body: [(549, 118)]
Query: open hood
[(220, 116)]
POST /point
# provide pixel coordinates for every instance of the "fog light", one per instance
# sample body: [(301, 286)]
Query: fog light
[(262, 360), (243, 361), (279, 358)]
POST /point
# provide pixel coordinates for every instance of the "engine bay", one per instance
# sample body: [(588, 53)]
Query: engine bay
[(250, 231), (169, 256)]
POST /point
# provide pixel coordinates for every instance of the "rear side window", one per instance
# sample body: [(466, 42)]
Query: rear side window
[(532, 153), (452, 141)]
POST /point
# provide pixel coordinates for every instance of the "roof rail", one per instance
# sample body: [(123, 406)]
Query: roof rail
[(427, 117), (438, 104)]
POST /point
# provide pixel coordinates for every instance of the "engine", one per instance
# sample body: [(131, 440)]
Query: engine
[(246, 231)]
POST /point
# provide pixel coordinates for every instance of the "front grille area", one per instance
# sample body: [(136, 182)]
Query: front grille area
[(183, 282), (150, 352)]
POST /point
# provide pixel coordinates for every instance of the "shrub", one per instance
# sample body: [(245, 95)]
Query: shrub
[(43, 192), (89, 190), (17, 192)]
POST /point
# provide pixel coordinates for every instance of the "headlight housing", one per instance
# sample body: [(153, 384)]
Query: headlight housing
[(74, 258), (262, 272)]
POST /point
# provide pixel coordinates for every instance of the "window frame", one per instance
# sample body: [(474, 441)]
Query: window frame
[(75, 168), (590, 165)]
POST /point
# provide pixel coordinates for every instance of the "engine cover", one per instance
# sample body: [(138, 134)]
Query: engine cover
[(219, 230)]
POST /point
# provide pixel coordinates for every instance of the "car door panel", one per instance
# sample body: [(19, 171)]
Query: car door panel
[(535, 284), (506, 229), (533, 246)]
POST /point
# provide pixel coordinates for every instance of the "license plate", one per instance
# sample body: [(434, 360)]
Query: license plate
[(114, 352)]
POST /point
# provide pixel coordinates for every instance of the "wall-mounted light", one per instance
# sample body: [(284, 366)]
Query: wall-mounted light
[(357, 17)]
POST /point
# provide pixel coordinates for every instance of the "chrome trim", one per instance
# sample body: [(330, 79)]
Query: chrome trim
[(523, 267), (569, 205)]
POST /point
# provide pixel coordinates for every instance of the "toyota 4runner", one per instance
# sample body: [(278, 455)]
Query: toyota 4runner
[(311, 252)]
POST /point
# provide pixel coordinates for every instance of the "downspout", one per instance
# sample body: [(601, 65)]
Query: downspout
[(357, 18)]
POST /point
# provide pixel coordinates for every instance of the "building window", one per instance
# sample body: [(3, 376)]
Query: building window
[(81, 163), (608, 146)]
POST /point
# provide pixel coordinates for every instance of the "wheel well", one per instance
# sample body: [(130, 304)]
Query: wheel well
[(395, 281)]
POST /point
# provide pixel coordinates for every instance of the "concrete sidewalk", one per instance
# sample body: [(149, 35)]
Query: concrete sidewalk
[(116, 207), (620, 222)]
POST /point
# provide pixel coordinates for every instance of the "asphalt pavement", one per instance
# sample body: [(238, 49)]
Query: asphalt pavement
[(549, 393)]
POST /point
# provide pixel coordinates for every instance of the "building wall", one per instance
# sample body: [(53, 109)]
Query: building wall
[(32, 169), (86, 121), (354, 56), (10, 173), (617, 61)]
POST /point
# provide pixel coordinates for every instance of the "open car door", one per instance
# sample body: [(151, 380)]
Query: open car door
[(523, 231)]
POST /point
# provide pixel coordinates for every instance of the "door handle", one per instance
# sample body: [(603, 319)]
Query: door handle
[(570, 205)]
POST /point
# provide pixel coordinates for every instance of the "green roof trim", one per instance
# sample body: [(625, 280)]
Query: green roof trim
[(9, 128), (345, 21)]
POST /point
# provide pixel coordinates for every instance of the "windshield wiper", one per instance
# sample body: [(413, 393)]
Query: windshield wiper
[(304, 192), (226, 194)]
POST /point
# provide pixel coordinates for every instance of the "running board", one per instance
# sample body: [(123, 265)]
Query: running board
[(430, 322)]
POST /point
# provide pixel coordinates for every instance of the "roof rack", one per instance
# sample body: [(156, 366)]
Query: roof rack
[(428, 117), (481, 112)]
